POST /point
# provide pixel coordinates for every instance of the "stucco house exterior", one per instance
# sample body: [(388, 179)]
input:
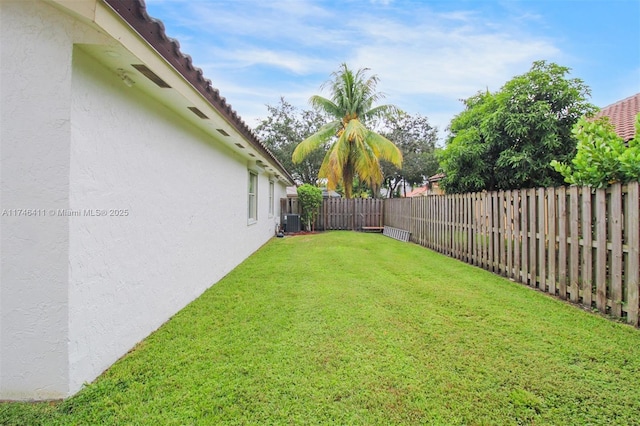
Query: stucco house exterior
[(128, 186)]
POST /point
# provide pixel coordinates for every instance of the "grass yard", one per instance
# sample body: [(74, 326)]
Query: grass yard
[(352, 328)]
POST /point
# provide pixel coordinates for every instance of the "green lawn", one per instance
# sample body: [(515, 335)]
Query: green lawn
[(352, 328)]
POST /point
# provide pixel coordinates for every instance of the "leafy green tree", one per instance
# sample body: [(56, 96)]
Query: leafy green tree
[(465, 159), (416, 139), (283, 129), (310, 198), (602, 156), (507, 140), (354, 150)]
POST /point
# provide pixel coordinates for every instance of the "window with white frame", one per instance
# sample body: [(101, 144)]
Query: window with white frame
[(271, 198), (253, 197)]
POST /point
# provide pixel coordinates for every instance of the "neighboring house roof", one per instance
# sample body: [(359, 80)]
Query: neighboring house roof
[(623, 116), (418, 191), (153, 32), (423, 190), (292, 192), (330, 194), (436, 178)]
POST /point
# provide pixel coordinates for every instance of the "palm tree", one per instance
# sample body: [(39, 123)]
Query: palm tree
[(356, 151)]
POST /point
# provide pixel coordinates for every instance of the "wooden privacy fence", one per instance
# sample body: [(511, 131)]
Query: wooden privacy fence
[(340, 213), (574, 243)]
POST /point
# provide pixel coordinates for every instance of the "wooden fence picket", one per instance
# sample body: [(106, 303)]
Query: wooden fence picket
[(552, 240), (632, 271), (601, 250), (541, 233), (616, 252), (570, 242), (574, 242), (587, 248), (562, 243)]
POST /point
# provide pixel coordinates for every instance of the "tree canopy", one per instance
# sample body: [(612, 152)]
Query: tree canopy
[(354, 151), (416, 139), (507, 139), (281, 131)]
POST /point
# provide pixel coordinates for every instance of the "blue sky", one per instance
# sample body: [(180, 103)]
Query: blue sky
[(427, 54)]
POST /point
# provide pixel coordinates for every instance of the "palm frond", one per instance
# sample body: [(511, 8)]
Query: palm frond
[(314, 141), (367, 91), (326, 105), (355, 131), (366, 164), (380, 111), (374, 177), (334, 162), (384, 149)]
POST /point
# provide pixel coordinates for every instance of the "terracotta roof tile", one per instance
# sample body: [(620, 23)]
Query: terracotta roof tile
[(418, 191), (623, 115)]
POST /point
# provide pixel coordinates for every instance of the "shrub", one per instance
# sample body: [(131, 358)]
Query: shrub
[(310, 198), (602, 157)]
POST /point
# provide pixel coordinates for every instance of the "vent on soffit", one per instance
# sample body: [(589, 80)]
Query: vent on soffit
[(222, 132), (144, 70), (197, 112)]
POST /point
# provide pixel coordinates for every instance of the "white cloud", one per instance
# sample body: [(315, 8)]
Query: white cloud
[(255, 51), (299, 21), (253, 56), (428, 67), (446, 60)]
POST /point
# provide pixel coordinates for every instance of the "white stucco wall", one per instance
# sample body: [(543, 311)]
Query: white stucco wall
[(78, 291), (34, 147), (186, 223)]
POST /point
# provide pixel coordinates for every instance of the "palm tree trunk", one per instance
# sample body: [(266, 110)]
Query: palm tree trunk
[(347, 179)]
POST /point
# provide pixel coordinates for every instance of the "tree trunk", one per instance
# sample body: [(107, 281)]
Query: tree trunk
[(393, 185), (347, 179)]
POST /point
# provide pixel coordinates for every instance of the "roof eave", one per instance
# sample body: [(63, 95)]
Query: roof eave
[(152, 31)]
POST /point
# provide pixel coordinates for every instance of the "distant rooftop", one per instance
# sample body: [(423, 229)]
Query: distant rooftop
[(418, 192), (622, 115)]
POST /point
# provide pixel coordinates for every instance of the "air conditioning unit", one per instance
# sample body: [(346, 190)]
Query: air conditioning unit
[(292, 223)]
